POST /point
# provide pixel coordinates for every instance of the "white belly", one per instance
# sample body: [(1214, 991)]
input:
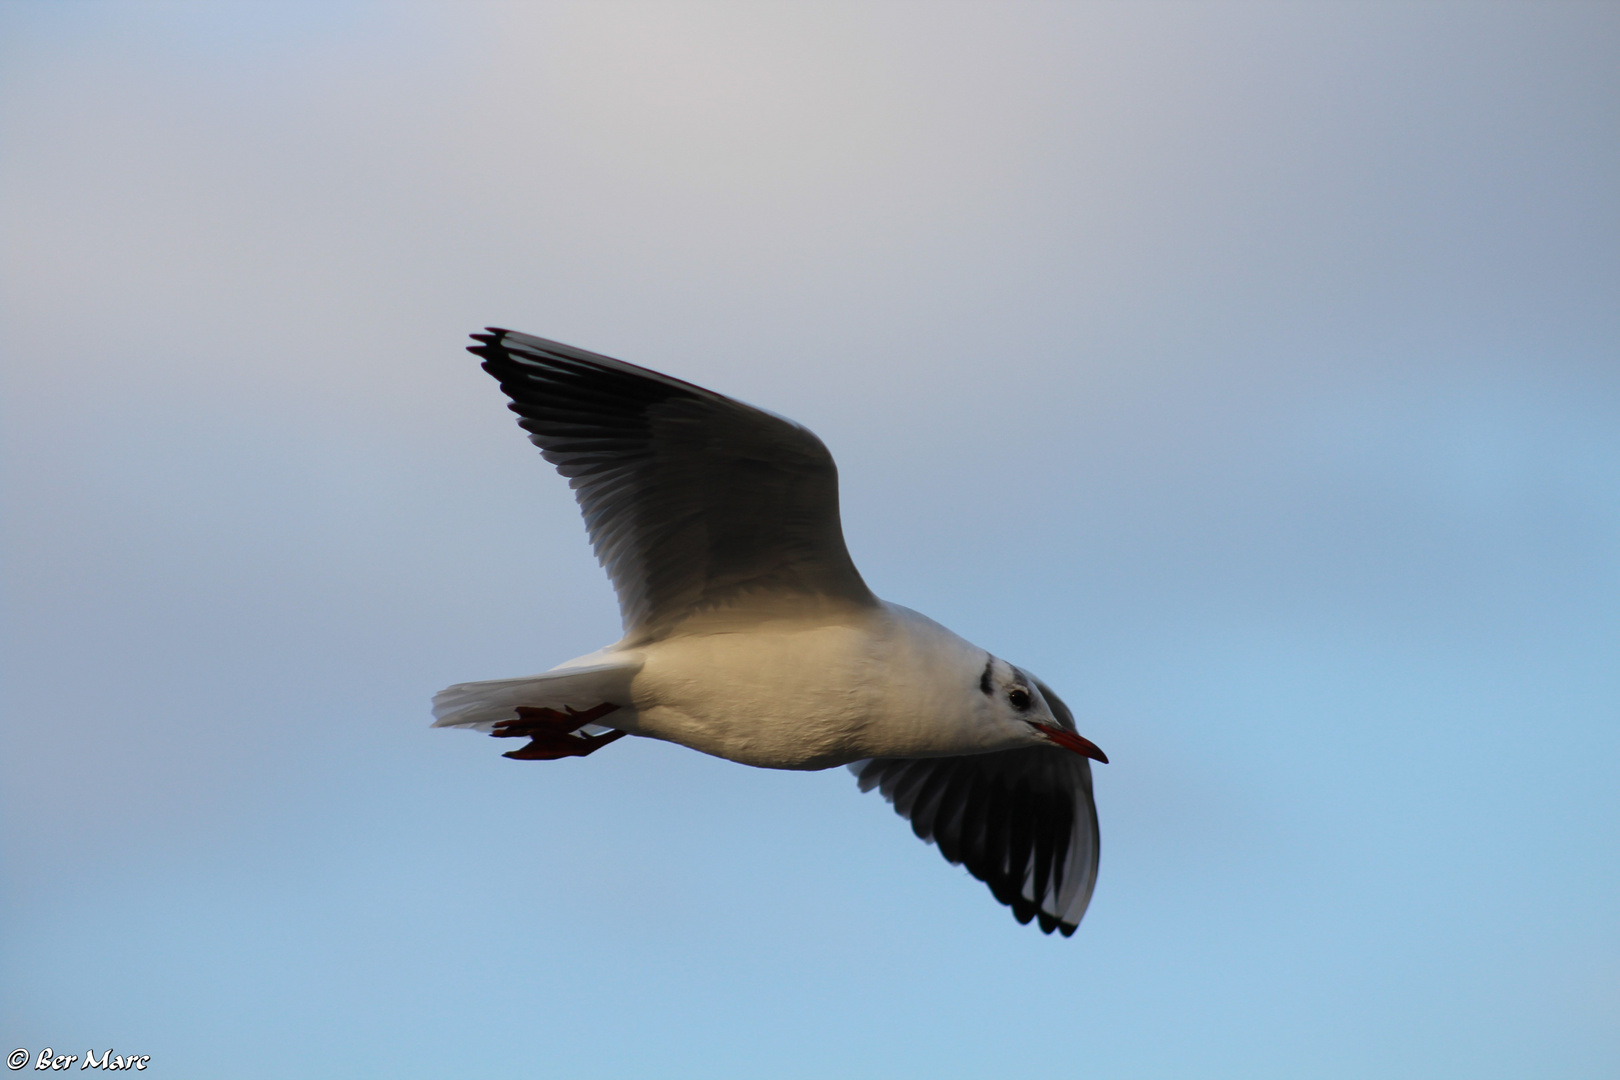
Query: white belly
[(812, 695)]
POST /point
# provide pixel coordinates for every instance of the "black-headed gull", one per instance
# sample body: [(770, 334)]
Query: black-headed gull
[(750, 635)]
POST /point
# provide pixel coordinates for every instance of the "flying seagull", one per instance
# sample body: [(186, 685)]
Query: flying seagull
[(749, 634)]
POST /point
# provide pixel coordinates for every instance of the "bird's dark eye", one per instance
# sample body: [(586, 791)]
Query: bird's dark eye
[(1019, 698)]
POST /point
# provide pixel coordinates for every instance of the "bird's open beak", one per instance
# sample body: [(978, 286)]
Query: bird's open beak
[(1070, 741)]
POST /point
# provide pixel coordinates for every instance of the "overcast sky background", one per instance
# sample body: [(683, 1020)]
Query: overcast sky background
[(1251, 372)]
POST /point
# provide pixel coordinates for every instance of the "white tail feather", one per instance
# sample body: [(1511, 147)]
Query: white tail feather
[(581, 684)]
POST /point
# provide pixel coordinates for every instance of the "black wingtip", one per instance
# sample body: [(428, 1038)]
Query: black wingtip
[(492, 336), (1050, 923)]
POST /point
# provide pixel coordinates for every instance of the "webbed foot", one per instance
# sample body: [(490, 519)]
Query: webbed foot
[(551, 732)]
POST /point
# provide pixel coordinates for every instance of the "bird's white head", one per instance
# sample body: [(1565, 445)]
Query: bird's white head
[(1020, 701)]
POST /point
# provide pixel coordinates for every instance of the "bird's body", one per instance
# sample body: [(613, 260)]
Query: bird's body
[(811, 690), (751, 636)]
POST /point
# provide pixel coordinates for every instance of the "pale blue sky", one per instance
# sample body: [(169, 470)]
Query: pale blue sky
[(1249, 371)]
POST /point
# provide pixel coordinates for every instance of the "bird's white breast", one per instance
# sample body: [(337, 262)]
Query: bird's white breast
[(815, 692)]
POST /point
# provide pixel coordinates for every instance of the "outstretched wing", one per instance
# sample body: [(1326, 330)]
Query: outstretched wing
[(1021, 821), (692, 500)]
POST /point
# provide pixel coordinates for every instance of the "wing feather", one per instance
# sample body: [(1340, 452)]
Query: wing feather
[(692, 500), (1021, 821)]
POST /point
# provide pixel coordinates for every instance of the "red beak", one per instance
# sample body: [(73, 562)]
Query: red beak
[(1070, 741)]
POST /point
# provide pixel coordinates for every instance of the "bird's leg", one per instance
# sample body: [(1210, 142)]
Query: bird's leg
[(551, 732)]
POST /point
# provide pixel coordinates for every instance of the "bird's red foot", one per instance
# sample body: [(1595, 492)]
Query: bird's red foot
[(551, 732)]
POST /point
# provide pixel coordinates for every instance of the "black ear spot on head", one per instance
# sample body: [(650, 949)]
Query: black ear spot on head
[(984, 680)]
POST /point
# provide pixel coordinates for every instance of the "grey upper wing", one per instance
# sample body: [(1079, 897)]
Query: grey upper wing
[(1021, 821), (692, 500)]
